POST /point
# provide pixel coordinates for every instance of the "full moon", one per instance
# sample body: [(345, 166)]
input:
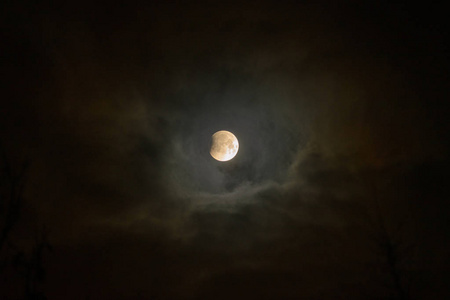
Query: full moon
[(224, 145)]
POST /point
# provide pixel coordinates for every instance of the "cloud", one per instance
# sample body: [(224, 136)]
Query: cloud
[(328, 119)]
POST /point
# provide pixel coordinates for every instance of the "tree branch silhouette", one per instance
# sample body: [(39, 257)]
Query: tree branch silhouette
[(392, 251), (25, 266)]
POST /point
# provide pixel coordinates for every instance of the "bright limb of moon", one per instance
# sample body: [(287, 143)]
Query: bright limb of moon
[(224, 145)]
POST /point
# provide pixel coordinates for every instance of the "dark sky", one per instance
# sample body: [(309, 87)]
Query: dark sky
[(342, 125)]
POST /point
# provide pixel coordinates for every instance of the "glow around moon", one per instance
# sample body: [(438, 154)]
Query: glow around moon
[(224, 145)]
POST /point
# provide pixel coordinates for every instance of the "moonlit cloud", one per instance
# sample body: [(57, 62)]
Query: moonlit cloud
[(338, 114)]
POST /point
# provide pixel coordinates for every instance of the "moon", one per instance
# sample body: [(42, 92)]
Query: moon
[(224, 145)]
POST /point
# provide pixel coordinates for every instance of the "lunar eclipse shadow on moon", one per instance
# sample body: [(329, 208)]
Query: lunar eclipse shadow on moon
[(224, 146)]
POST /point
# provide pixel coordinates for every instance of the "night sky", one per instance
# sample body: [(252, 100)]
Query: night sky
[(340, 188)]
